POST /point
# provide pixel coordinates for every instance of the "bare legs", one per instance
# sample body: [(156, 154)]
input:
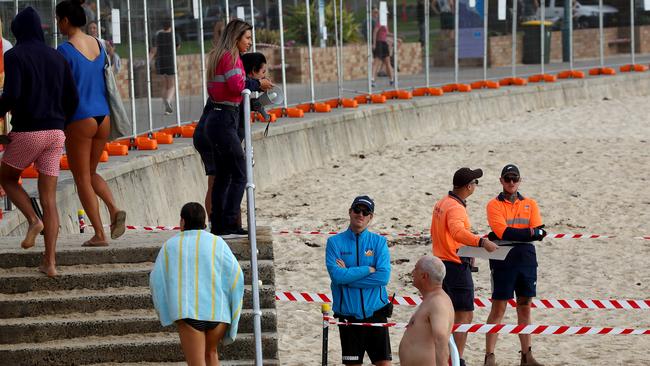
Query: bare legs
[(496, 316), (9, 177), (377, 65), (200, 348), (462, 317), (168, 92), (84, 144)]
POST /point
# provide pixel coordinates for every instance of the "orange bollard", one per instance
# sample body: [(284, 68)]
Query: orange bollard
[(104, 157), (63, 163), (333, 103), (277, 111), (29, 172), (349, 103), (535, 78), (295, 113), (436, 92), (420, 92), (305, 107), (594, 72), (478, 84), (577, 74), (564, 74), (404, 94), (626, 68), (163, 138), (378, 98), (608, 71), (125, 142), (146, 144), (194, 124), (464, 88), (272, 117), (640, 68), (390, 94), (115, 149), (187, 131), (175, 131), (519, 81), (322, 108), (361, 99), (505, 81), (491, 84), (450, 88), (549, 78)]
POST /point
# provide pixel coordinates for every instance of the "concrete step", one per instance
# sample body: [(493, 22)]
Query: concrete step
[(141, 347), (100, 276), (39, 303), (104, 323), (131, 248)]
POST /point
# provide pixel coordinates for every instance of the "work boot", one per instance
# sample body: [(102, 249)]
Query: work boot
[(462, 362), (527, 359), (490, 360)]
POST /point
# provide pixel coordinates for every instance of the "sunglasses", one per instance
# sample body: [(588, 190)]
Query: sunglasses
[(474, 182), (511, 179), (358, 210)]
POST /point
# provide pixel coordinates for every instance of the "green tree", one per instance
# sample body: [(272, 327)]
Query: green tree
[(296, 24)]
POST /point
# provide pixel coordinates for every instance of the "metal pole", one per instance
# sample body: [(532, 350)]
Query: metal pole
[(55, 28), (542, 37), (341, 41), (16, 6), (338, 51), (252, 227), (325, 310), (426, 41), (253, 25), (485, 37), (632, 49), (600, 33), (227, 12), (131, 80), (514, 38), (204, 83), (309, 53), (147, 63), (369, 35), (178, 102), (395, 54), (571, 37), (99, 18), (282, 60), (456, 15)]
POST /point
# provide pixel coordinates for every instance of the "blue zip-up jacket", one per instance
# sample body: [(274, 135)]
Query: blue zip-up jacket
[(355, 291)]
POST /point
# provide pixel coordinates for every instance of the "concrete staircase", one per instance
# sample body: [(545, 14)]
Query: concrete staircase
[(99, 310)]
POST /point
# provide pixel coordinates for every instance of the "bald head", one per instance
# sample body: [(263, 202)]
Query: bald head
[(433, 267)]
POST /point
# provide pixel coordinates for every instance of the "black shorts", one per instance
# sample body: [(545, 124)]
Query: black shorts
[(459, 286), (381, 50), (357, 340), (507, 281)]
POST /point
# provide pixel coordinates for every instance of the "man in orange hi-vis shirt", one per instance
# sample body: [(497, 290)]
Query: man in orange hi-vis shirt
[(516, 219), (450, 229)]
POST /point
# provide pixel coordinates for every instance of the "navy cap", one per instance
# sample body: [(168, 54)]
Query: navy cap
[(465, 176), (364, 200), (510, 169)]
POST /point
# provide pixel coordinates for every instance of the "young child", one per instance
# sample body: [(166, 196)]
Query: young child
[(255, 68)]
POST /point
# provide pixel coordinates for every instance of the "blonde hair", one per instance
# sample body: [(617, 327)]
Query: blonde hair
[(227, 43)]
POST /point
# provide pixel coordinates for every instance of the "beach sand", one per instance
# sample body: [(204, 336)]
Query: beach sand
[(587, 167)]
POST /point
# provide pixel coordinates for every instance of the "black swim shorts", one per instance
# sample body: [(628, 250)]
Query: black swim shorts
[(357, 340), (458, 284)]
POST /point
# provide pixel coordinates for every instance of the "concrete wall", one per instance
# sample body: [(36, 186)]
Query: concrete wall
[(152, 188)]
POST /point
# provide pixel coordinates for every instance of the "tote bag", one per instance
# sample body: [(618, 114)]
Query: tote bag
[(120, 124)]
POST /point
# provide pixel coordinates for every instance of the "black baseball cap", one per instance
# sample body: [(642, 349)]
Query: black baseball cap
[(364, 200), (510, 169), (465, 176)]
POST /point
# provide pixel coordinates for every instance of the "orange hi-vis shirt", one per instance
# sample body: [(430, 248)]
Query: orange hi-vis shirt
[(522, 214), (450, 228)]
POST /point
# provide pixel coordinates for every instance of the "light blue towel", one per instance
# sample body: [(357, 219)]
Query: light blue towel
[(196, 276)]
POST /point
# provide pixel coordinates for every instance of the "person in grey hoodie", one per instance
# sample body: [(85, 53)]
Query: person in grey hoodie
[(41, 95)]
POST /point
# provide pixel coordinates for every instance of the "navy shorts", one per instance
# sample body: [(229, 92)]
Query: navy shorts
[(357, 340), (511, 280), (459, 286)]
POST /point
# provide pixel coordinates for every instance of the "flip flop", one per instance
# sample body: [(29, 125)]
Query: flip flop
[(89, 243), (119, 226)]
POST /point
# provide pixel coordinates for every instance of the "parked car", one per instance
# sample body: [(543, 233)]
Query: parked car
[(187, 27), (585, 13)]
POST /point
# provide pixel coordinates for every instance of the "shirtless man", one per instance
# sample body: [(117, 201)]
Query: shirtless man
[(426, 340)]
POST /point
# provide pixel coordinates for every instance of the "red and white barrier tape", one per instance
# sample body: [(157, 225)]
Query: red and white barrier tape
[(512, 328), (481, 302)]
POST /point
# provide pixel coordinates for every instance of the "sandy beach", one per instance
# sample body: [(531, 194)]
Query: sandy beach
[(587, 167)]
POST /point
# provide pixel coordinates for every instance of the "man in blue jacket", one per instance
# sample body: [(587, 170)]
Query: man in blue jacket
[(358, 263)]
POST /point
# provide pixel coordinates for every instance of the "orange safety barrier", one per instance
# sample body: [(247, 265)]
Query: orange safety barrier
[(450, 88), (549, 78), (361, 99), (322, 108), (163, 138), (420, 92), (277, 111), (640, 68), (464, 88), (491, 84), (505, 81), (63, 163), (519, 81), (378, 98), (295, 113), (436, 92), (577, 74), (477, 84), (115, 149), (565, 74), (29, 173), (144, 143), (404, 94), (187, 131), (390, 94), (536, 78), (633, 67), (594, 72), (626, 68), (333, 103), (174, 131), (103, 158), (608, 71), (194, 124), (272, 118), (125, 142), (306, 107), (349, 103)]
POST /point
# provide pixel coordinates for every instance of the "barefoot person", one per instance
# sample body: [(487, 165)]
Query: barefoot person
[(198, 284), (88, 130), (514, 218), (450, 229), (40, 92), (426, 339)]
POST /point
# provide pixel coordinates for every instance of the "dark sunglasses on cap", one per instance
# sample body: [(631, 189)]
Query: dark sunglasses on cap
[(511, 179), (358, 210)]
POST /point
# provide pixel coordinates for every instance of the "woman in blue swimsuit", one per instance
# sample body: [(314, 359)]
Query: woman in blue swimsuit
[(87, 131)]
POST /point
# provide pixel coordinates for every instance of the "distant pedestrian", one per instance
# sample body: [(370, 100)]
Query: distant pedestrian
[(162, 53), (41, 94), (89, 127)]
